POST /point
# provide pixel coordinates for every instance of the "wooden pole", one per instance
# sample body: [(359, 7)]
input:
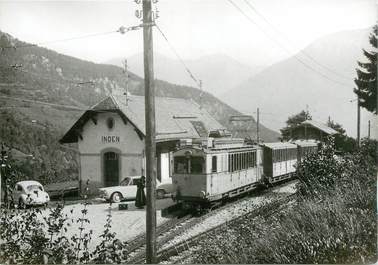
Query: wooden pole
[(368, 129), (258, 125), (150, 145), (127, 80), (358, 121)]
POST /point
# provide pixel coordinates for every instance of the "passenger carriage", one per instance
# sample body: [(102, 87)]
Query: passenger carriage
[(279, 161), (209, 170), (306, 147)]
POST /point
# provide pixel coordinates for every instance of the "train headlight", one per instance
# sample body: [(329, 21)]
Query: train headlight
[(203, 194)]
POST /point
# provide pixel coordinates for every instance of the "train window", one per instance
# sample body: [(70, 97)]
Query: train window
[(214, 164), (197, 165), (181, 164)]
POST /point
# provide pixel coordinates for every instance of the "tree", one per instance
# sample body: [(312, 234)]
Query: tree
[(366, 80), (292, 122), (336, 126), (343, 143)]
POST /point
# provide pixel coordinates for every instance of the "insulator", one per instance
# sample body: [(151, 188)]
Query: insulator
[(122, 30)]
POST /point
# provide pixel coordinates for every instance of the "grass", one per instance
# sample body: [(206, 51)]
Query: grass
[(336, 225)]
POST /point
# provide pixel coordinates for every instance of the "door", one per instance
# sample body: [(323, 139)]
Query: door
[(111, 169)]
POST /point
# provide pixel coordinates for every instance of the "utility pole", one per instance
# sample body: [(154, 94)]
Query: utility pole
[(150, 145), (200, 99), (369, 129), (358, 120), (258, 125), (3, 176), (126, 93)]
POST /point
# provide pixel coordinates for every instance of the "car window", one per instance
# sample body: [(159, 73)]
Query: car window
[(126, 182), (136, 181), (34, 187), (18, 188)]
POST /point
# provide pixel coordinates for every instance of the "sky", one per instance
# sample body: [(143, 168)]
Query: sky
[(194, 27)]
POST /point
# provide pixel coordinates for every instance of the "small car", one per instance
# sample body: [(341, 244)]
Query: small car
[(164, 189), (125, 191), (128, 188), (29, 193)]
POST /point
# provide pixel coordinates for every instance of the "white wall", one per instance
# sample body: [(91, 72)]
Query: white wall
[(91, 147)]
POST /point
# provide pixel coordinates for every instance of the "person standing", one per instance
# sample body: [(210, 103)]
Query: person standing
[(140, 201)]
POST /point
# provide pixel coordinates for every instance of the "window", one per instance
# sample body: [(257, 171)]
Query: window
[(136, 181), (214, 164), (197, 165), (110, 123), (181, 165), (19, 188), (34, 187)]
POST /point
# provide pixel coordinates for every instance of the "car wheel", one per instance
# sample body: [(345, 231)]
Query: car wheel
[(160, 194), (116, 197), (21, 204)]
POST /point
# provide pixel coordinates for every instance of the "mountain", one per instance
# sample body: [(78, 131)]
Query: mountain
[(286, 87), (218, 72), (30, 74)]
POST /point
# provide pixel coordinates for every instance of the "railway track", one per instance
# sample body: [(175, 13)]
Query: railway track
[(173, 228)]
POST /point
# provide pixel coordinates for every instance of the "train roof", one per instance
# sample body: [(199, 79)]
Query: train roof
[(303, 143), (209, 145), (279, 145)]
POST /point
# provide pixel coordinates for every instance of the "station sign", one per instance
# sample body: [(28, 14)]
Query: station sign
[(110, 139)]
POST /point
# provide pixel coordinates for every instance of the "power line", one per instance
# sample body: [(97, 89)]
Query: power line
[(284, 48), (121, 30), (44, 103), (197, 81), (37, 102), (288, 40)]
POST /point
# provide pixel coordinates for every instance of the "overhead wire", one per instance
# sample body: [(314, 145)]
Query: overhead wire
[(284, 48), (121, 30), (288, 40), (38, 102), (197, 81)]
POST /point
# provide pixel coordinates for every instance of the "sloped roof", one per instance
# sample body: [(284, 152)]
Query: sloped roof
[(279, 145), (320, 126), (175, 117)]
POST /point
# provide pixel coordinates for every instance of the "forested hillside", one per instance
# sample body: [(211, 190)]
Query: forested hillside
[(38, 74)]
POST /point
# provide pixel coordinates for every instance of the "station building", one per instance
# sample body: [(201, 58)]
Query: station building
[(314, 130), (110, 137)]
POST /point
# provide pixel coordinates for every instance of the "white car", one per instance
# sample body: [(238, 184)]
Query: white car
[(29, 193), (128, 188)]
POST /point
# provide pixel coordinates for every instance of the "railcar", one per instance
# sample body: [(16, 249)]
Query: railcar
[(210, 170), (306, 147), (279, 161), (213, 169)]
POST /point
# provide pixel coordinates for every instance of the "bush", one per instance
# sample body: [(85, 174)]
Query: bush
[(318, 172), (333, 222), (28, 237)]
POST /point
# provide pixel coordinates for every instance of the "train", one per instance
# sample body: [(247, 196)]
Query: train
[(207, 171)]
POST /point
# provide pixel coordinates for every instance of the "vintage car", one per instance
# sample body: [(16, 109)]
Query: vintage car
[(128, 188), (29, 193)]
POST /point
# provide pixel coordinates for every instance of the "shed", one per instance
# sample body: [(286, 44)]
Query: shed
[(311, 129)]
